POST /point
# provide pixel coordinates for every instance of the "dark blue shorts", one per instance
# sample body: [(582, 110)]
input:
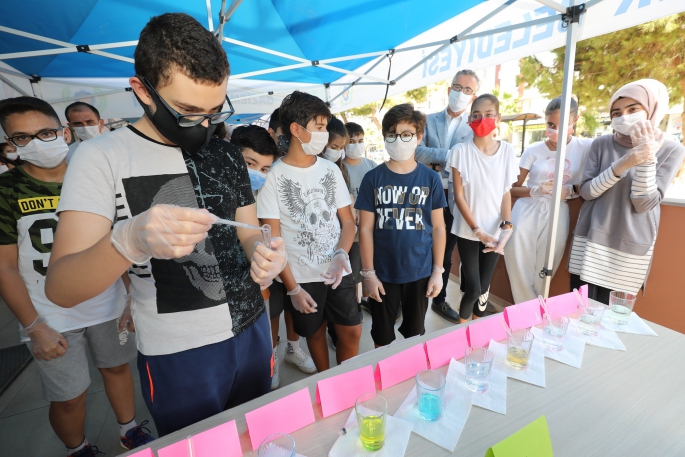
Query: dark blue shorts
[(186, 387)]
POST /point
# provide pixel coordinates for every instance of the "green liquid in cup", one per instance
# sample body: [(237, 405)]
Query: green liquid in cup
[(372, 432)]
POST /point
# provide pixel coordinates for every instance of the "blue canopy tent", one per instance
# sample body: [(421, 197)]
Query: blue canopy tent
[(347, 53)]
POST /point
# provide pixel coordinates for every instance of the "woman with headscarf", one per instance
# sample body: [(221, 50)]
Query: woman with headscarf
[(624, 180)]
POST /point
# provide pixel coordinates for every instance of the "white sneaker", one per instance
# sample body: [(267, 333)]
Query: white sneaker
[(300, 359), (276, 379)]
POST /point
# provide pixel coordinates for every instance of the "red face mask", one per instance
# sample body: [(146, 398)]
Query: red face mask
[(483, 126)]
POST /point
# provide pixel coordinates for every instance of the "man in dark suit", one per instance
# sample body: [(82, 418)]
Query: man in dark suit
[(443, 130)]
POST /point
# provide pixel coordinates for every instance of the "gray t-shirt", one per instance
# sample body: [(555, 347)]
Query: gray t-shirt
[(356, 174)]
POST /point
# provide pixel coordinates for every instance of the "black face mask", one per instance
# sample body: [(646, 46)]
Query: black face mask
[(190, 139)]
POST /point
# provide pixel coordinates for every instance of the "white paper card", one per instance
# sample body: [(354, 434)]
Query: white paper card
[(534, 373), (606, 338), (494, 399), (445, 431), (635, 325), (570, 354), (397, 433)]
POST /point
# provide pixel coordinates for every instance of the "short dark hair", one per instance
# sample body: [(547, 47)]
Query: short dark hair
[(403, 113), (301, 108), (255, 138), (489, 97), (336, 129), (555, 105), (354, 129), (177, 42), (275, 120), (220, 131), (20, 105), (76, 106)]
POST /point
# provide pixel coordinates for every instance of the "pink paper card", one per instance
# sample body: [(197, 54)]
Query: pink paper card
[(147, 452), (566, 304), (341, 392), (401, 366), (523, 315), (221, 440), (483, 330), (444, 348), (282, 416)]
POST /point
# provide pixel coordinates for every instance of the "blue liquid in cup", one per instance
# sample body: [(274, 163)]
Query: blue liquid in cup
[(430, 407)]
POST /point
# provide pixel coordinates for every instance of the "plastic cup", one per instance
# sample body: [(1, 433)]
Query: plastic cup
[(478, 366), (554, 331), (266, 235), (371, 412), (591, 318), (518, 349), (430, 390), (277, 445), (620, 306)]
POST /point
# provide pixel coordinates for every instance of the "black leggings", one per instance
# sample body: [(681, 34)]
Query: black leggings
[(477, 268), (595, 292)]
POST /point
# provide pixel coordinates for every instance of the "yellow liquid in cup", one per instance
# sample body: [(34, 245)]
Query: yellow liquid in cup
[(517, 357), (372, 432)]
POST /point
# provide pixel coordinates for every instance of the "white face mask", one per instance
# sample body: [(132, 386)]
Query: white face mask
[(3, 168), (12, 155), (458, 101), (354, 151), (87, 133), (624, 124), (332, 154), (401, 151), (318, 141), (44, 154)]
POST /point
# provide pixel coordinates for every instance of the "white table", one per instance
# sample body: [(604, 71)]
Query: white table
[(619, 403)]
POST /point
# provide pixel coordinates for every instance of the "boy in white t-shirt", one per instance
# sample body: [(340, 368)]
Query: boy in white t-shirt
[(306, 200), (58, 337), (483, 170)]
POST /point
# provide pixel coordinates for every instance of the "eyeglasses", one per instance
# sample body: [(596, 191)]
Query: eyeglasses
[(404, 136), (464, 90), (191, 120), (475, 117), (24, 139)]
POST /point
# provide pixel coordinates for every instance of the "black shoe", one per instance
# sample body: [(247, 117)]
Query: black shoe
[(445, 311)]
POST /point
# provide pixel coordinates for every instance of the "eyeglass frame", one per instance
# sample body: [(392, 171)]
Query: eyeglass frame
[(180, 116), (400, 137), (461, 89), (480, 116), (35, 137)]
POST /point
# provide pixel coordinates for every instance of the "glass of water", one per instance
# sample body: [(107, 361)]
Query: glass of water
[(478, 366), (371, 412), (554, 331), (518, 349), (620, 306), (277, 445), (591, 317), (430, 389)]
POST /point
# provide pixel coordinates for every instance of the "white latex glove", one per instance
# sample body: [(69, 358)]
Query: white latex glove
[(162, 232), (503, 238), (268, 263), (643, 133), (566, 191), (485, 237), (435, 282), (46, 342), (372, 286), (303, 302), (126, 318), (340, 264)]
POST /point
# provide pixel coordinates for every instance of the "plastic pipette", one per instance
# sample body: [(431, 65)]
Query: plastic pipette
[(236, 224)]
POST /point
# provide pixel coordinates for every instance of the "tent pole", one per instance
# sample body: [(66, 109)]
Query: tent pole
[(14, 86), (523, 135), (210, 21), (358, 79), (572, 18), (35, 87)]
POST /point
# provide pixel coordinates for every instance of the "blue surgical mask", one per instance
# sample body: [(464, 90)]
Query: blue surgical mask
[(257, 179)]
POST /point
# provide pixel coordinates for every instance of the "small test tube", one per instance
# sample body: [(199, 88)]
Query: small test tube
[(266, 235)]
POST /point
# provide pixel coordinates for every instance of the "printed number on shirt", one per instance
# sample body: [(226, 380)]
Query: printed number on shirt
[(37, 233)]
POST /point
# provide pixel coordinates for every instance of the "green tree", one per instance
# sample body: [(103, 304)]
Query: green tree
[(605, 63), (508, 103)]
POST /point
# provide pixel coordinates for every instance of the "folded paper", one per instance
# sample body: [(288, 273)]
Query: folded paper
[(444, 348), (147, 452), (524, 315), (401, 366), (221, 440), (494, 398), (340, 392), (480, 333), (565, 304), (533, 440)]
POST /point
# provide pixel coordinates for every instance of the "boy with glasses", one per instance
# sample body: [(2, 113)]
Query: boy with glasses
[(57, 337), (401, 230), (203, 336)]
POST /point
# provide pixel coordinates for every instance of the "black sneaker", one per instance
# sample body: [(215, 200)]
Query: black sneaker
[(445, 311), (88, 451)]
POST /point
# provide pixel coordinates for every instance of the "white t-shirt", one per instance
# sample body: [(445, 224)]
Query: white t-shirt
[(180, 304), (306, 201), (485, 179), (541, 162)]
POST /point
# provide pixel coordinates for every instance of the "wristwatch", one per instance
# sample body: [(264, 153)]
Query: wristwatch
[(503, 223)]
